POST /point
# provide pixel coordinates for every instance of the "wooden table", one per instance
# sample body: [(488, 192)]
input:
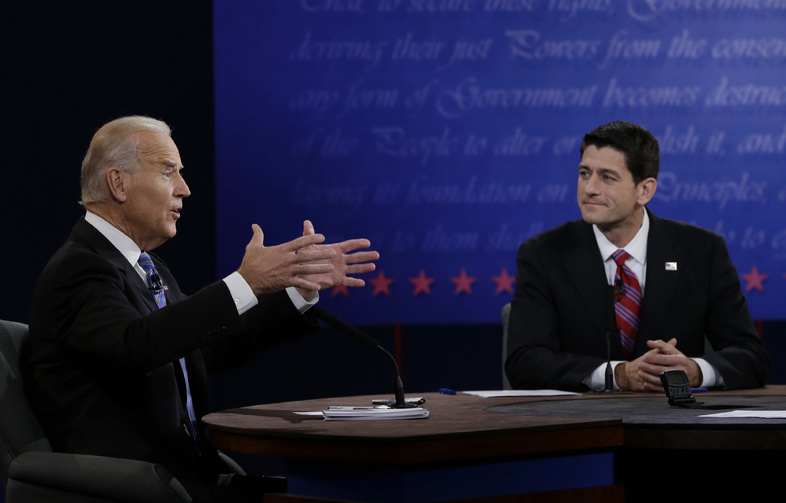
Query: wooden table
[(460, 452), (490, 449)]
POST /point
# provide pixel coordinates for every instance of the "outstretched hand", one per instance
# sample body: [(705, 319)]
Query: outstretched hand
[(344, 263), (269, 269)]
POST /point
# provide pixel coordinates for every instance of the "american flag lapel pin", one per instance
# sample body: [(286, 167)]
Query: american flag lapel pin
[(671, 266)]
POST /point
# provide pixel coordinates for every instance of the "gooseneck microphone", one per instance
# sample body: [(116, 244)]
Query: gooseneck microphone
[(368, 341), (611, 326)]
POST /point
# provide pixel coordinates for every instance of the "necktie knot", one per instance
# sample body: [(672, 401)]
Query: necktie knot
[(620, 257), (146, 263)]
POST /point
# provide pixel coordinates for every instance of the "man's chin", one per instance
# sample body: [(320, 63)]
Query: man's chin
[(592, 218)]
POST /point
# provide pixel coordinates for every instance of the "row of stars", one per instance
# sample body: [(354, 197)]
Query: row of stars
[(754, 280), (422, 284)]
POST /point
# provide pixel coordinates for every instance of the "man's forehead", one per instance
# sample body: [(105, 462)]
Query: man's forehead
[(158, 144), (606, 158)]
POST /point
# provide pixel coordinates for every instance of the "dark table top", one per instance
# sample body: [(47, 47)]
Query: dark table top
[(469, 426)]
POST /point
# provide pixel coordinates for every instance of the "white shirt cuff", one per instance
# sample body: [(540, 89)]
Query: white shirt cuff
[(245, 299), (709, 376), (241, 293), (301, 304)]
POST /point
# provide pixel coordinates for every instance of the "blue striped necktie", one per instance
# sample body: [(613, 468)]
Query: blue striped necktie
[(156, 286)]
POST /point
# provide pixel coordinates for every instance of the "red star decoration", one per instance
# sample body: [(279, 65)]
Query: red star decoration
[(422, 283), (381, 284), (504, 282), (463, 282), (337, 290), (754, 280)]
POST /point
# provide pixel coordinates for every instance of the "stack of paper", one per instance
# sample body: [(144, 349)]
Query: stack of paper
[(342, 413)]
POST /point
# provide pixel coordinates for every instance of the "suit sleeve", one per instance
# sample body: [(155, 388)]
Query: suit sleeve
[(272, 321), (739, 354), (537, 356), (100, 314)]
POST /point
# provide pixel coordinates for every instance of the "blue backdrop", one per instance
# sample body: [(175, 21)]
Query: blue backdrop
[(447, 132)]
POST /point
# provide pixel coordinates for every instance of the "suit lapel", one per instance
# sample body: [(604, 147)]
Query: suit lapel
[(661, 280), (586, 269), (103, 247)]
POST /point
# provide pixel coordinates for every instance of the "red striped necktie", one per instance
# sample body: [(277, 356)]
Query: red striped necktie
[(628, 303)]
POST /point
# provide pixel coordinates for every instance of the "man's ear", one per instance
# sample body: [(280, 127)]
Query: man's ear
[(646, 188), (116, 181)]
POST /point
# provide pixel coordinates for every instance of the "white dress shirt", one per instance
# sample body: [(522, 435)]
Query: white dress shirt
[(637, 262)]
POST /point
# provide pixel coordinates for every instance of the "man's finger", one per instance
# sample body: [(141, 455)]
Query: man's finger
[(354, 282), (360, 268), (258, 234), (353, 244), (311, 255), (308, 269), (303, 241), (362, 257), (305, 285), (308, 228)]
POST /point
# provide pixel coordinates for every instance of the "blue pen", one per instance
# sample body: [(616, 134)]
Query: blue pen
[(698, 390), (446, 391)]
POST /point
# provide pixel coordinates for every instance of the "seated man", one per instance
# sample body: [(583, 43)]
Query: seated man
[(119, 354), (675, 285)]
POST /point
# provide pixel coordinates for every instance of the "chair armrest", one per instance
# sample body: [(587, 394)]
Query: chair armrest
[(231, 464), (103, 478)]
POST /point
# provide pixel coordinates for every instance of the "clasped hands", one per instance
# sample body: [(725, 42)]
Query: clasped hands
[(643, 373), (304, 263)]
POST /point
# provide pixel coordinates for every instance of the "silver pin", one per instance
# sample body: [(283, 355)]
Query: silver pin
[(671, 266)]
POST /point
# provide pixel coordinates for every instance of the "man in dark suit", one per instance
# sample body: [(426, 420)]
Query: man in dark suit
[(675, 286), (119, 354)]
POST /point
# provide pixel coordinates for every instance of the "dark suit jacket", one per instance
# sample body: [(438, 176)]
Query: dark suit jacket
[(557, 332), (102, 375)]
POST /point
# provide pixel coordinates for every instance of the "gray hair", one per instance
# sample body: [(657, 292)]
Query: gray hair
[(116, 144)]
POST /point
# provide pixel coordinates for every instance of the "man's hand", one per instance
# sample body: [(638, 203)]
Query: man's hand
[(643, 373), (344, 263), (666, 356), (269, 269)]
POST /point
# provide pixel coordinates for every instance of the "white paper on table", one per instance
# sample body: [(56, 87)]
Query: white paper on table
[(520, 392), (762, 414)]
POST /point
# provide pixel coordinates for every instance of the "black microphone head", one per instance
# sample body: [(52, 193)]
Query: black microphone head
[(156, 285), (619, 287)]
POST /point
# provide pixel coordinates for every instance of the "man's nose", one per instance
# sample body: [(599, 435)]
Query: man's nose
[(182, 189), (591, 187)]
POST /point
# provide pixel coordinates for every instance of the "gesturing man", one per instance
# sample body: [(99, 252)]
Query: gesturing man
[(119, 354)]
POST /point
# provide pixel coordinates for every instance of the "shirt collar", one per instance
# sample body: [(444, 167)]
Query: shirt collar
[(637, 248), (124, 244)]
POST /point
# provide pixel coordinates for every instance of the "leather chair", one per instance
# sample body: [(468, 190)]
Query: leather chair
[(33, 473)]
